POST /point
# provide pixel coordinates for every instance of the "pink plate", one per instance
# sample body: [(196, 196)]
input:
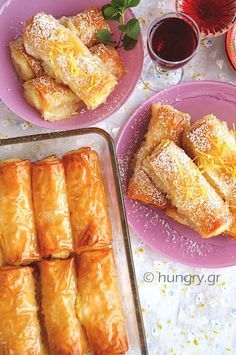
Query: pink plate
[(13, 14), (158, 231)]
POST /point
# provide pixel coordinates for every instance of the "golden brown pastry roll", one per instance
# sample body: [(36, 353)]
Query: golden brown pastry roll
[(172, 212), (86, 24), (1, 257), (213, 148), (19, 325), (17, 229), (90, 221), (99, 303), (59, 291), (166, 123), (54, 101), (69, 59), (27, 67), (111, 58), (187, 189), (51, 209)]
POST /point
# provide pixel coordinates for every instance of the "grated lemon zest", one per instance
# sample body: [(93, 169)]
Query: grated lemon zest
[(193, 189), (71, 50), (223, 160)]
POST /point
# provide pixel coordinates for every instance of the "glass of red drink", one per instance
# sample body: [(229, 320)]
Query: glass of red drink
[(172, 40), (214, 17)]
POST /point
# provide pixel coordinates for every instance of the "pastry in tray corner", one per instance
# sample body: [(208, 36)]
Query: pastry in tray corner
[(99, 303), (69, 59), (165, 123), (19, 324), (54, 101), (27, 67), (86, 25), (187, 189), (18, 240), (213, 148)]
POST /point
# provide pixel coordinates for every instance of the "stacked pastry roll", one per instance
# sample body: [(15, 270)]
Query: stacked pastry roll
[(187, 170), (213, 148), (54, 218), (63, 66)]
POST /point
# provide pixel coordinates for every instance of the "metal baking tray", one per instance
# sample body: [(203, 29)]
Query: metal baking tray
[(36, 147)]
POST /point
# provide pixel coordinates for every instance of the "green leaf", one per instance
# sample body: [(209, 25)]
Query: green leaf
[(118, 3), (105, 36), (133, 28), (110, 13), (132, 3), (122, 28), (128, 42)]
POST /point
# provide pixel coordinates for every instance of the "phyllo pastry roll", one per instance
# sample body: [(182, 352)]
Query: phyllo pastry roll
[(51, 209), (111, 58), (187, 189), (19, 325), (59, 292), (1, 257), (68, 59), (86, 24), (99, 303), (17, 228), (90, 221), (27, 67), (213, 148), (166, 123), (54, 101)]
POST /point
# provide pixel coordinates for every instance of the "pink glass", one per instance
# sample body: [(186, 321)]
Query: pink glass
[(214, 17)]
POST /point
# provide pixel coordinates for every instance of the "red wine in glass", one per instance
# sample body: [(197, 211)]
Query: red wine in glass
[(172, 42), (213, 17)]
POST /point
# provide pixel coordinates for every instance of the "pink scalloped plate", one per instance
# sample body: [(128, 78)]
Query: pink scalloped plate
[(167, 237), (13, 14), (230, 45)]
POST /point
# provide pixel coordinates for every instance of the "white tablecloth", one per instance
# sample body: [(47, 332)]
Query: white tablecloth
[(179, 319)]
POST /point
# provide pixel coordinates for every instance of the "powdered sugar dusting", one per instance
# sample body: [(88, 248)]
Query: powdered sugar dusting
[(167, 233), (87, 24), (213, 147), (188, 190), (44, 26)]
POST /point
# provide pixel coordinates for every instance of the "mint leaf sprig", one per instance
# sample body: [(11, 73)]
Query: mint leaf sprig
[(129, 32)]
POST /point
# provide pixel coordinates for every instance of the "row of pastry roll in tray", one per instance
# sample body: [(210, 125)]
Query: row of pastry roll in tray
[(63, 65), (69, 306), (58, 285), (52, 207), (188, 170)]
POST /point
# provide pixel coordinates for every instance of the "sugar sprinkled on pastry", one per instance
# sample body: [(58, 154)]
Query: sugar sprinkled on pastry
[(27, 67), (111, 58), (86, 24), (54, 101), (70, 60), (166, 123), (213, 148), (187, 189)]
